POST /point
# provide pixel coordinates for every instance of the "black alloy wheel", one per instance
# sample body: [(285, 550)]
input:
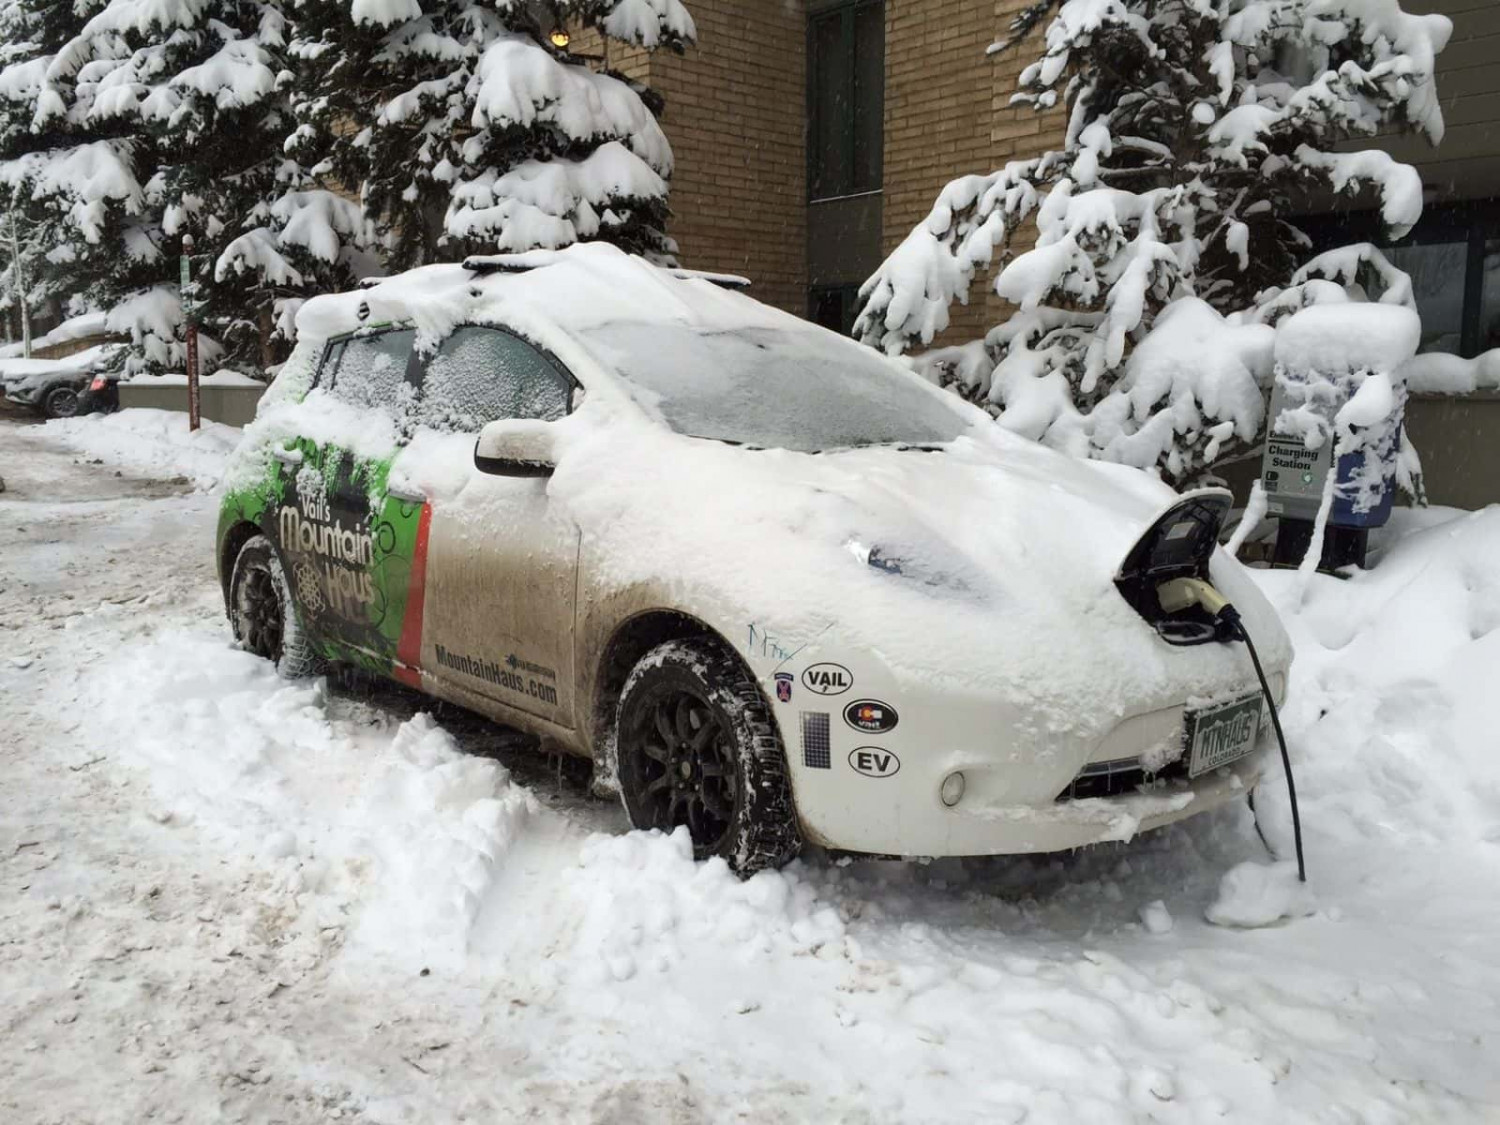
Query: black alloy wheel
[(695, 746), (686, 763), (262, 614), (258, 609)]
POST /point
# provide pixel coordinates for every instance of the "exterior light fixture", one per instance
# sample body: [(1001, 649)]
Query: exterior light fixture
[(560, 37)]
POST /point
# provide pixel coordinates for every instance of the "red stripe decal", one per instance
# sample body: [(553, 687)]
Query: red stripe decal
[(409, 648)]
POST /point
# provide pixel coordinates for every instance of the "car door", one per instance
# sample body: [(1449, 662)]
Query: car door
[(501, 564), (349, 542)]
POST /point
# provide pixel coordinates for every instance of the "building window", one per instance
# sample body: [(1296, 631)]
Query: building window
[(846, 99), (1437, 271), (834, 307), (1453, 260)]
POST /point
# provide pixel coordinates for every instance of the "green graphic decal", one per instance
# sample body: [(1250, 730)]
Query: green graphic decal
[(347, 547)]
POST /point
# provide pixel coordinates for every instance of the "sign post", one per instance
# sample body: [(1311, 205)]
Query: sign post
[(186, 290)]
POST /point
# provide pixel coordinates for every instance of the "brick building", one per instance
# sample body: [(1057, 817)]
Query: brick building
[(811, 135)]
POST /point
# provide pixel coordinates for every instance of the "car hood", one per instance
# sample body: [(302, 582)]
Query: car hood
[(985, 566)]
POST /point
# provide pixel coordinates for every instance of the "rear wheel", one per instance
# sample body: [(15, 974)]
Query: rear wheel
[(61, 402), (261, 611), (696, 747)]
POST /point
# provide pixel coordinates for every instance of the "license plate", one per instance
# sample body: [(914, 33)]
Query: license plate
[(1220, 735)]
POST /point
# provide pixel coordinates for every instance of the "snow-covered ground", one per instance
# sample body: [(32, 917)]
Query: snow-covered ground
[(224, 897)]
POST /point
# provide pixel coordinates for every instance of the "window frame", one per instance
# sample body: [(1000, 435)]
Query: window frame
[(845, 12)]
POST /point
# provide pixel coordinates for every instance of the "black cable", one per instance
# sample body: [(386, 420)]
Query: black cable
[(1231, 615), (1259, 831)]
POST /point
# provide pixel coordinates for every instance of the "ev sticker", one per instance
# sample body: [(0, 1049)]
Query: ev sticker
[(873, 761), (827, 679)]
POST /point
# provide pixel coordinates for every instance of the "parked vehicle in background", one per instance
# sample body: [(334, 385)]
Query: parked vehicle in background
[(59, 388)]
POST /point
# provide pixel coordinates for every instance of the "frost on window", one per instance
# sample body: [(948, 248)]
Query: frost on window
[(370, 371), (802, 389), (481, 374)]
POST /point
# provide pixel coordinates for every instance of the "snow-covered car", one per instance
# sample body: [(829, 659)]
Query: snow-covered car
[(778, 588), (54, 388)]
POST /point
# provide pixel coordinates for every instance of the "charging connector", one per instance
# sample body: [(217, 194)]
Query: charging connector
[(1179, 594)]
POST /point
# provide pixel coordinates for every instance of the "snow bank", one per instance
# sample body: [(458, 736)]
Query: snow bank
[(396, 820), (151, 442), (1392, 731), (1257, 894)]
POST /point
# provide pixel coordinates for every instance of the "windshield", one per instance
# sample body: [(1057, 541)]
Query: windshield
[(804, 390)]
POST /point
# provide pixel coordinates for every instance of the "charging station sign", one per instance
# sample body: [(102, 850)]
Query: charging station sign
[(1291, 474)]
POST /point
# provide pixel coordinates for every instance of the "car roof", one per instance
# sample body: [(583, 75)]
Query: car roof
[(542, 294)]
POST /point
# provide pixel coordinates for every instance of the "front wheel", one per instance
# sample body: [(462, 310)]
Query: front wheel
[(261, 611), (695, 746)]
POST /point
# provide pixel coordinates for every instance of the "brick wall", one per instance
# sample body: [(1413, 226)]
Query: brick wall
[(735, 116), (736, 110), (948, 114)]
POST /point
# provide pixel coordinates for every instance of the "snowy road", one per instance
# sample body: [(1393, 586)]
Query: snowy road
[(227, 898)]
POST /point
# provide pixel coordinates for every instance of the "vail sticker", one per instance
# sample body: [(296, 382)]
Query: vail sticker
[(827, 679), (784, 686), (871, 716), (873, 761)]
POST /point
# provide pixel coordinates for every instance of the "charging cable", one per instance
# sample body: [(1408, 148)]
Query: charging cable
[(1179, 594)]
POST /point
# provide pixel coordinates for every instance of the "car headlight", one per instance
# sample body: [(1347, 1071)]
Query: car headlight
[(920, 570)]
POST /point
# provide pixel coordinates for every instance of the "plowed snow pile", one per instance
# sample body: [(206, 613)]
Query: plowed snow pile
[(228, 897)]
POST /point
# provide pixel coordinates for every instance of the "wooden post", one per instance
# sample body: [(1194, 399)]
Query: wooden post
[(191, 331)]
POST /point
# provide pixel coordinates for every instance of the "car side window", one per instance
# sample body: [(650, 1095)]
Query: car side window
[(480, 375), (371, 371)]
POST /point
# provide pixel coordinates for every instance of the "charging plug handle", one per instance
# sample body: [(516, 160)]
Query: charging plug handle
[(1178, 594)]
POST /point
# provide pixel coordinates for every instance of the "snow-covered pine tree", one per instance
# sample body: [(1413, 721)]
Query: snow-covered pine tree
[(1196, 130), (181, 110), (37, 144), (463, 129)]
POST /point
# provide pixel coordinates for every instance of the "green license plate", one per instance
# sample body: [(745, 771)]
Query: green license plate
[(1220, 735)]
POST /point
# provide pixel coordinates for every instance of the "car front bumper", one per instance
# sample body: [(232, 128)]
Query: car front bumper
[(883, 793)]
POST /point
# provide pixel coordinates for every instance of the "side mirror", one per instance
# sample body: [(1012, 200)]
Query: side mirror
[(515, 447)]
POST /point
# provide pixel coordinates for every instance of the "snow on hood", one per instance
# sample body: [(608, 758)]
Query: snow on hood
[(1006, 554)]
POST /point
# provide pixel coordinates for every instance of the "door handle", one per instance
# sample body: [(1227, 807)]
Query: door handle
[(405, 495), (287, 456)]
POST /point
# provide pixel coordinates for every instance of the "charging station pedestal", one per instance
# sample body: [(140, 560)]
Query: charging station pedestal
[(1293, 477)]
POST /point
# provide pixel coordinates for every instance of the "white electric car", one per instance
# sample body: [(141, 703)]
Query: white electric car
[(777, 587)]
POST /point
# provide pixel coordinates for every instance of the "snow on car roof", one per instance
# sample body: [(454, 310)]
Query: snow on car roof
[(583, 286)]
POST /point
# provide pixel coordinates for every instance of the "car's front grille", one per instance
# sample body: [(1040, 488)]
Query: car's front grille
[(1119, 777)]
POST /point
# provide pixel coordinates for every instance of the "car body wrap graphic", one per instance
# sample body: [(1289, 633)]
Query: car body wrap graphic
[(354, 555)]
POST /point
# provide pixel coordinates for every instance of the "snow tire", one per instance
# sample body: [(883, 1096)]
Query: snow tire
[(257, 588), (734, 775)]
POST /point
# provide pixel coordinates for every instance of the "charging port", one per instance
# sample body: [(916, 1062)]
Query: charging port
[(1177, 546)]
